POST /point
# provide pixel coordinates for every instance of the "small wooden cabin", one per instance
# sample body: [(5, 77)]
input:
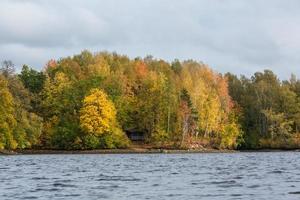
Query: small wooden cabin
[(134, 135)]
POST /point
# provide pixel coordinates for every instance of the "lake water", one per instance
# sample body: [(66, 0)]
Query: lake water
[(151, 176)]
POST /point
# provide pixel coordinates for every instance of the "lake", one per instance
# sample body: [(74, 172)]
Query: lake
[(269, 175)]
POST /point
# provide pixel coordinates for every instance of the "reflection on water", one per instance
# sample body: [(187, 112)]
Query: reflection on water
[(151, 176)]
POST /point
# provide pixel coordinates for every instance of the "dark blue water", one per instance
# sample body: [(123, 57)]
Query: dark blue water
[(151, 176)]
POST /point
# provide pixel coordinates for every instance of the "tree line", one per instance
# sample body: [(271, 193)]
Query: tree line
[(90, 101)]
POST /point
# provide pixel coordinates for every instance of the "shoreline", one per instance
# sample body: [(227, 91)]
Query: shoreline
[(113, 151), (135, 151)]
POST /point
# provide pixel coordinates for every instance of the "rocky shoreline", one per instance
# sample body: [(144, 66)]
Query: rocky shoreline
[(112, 151), (133, 151)]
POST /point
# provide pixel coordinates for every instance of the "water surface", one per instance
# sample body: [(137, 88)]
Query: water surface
[(151, 176)]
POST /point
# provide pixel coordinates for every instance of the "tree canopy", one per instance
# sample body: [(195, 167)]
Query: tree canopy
[(90, 101)]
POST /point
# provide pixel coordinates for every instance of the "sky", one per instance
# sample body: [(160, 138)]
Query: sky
[(239, 36)]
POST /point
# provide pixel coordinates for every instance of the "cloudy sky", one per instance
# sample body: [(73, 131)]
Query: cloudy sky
[(241, 36)]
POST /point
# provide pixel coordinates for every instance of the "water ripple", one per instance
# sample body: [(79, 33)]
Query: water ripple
[(158, 176)]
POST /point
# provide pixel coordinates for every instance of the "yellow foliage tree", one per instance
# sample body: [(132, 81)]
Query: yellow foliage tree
[(7, 119), (98, 114), (199, 82), (99, 67)]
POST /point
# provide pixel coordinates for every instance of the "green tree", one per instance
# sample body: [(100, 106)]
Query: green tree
[(32, 79)]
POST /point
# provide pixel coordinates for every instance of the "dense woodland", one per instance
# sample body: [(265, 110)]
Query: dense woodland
[(90, 101)]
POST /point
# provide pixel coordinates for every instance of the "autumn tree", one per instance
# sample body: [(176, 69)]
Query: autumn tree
[(98, 118), (7, 118), (22, 127)]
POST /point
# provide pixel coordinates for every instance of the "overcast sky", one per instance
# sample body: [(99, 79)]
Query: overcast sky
[(240, 36)]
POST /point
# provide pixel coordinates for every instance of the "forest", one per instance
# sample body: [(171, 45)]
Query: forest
[(91, 100)]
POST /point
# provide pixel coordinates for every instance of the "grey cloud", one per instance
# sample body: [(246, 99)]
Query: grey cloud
[(233, 35)]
